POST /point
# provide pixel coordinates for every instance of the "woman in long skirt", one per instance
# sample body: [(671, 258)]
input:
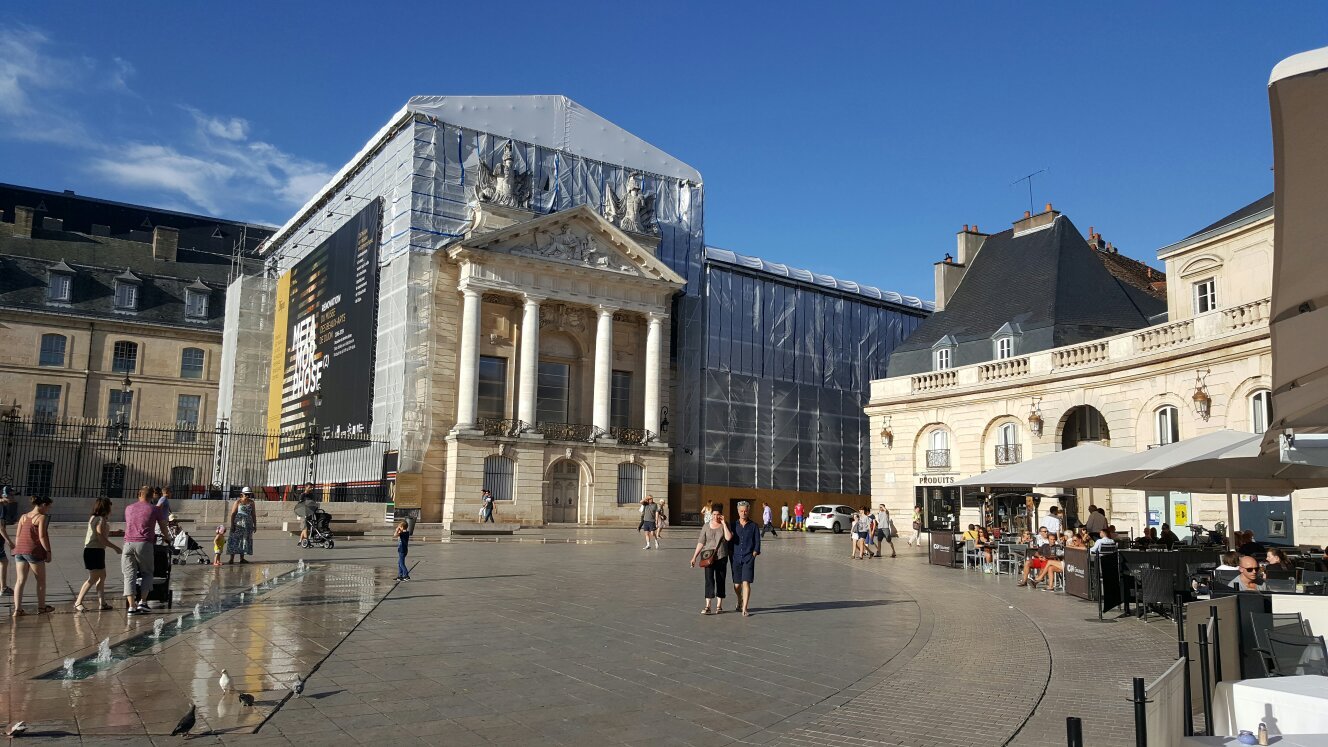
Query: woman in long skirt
[(243, 520)]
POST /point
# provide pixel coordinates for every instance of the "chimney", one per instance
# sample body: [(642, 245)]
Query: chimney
[(1030, 221), (22, 222), (1095, 239), (969, 241), (165, 242)]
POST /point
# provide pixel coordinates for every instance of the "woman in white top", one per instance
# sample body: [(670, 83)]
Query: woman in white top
[(95, 542)]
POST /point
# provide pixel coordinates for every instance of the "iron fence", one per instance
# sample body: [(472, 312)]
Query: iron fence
[(67, 458), (1009, 453), (938, 458)]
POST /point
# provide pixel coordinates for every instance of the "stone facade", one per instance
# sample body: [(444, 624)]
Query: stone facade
[(1128, 379)]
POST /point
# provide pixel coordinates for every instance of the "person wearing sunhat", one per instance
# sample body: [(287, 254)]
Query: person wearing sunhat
[(243, 523)]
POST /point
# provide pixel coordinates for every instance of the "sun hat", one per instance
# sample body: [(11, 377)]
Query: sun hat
[(246, 491)]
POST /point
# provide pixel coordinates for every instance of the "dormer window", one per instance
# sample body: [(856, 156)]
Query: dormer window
[(127, 285), (1004, 342), (60, 283), (196, 296), (942, 354)]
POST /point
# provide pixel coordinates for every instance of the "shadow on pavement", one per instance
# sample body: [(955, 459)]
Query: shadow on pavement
[(817, 606)]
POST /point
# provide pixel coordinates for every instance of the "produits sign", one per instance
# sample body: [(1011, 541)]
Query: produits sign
[(323, 335)]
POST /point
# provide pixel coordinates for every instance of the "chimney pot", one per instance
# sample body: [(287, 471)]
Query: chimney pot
[(1092, 232), (1028, 213), (965, 228), (23, 221), (165, 243), (975, 228), (1048, 207)]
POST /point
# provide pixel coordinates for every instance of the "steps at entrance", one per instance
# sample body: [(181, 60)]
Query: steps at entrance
[(460, 528)]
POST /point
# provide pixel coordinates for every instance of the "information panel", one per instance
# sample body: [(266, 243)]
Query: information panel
[(323, 336)]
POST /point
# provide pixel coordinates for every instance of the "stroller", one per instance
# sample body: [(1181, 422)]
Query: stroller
[(318, 529), (161, 575), (184, 548)]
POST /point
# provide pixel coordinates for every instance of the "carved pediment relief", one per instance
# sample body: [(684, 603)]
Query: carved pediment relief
[(561, 316)]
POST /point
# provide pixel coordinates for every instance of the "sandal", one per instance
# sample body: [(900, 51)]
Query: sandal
[(80, 608), (20, 613), (705, 611), (105, 606), (46, 609)]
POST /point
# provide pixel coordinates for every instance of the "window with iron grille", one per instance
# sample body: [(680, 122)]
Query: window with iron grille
[(191, 363), (186, 418), (124, 356), (620, 399), (498, 473), (493, 387), (112, 480), (195, 304), (629, 483), (38, 480), (52, 350), (1261, 410)]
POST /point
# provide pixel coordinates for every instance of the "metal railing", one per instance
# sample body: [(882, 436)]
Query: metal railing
[(1009, 453), (938, 458), (632, 436), (583, 432), (77, 457), (500, 427)]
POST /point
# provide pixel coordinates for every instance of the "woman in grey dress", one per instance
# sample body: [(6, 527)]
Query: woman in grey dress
[(243, 521), (714, 541)]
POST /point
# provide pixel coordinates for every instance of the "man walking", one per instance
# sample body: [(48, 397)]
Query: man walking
[(142, 521), (649, 510), (746, 546), (885, 530), (488, 507), (767, 521)]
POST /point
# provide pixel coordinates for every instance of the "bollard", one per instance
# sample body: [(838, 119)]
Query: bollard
[(1186, 697), (1074, 732), (1217, 651), (1205, 674), (1140, 714)]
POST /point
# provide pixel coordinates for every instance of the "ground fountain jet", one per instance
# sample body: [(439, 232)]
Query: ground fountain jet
[(198, 610), (157, 626), (179, 622), (104, 651), (69, 666)]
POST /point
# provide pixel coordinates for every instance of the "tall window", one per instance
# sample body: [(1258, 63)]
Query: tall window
[(620, 399), (1007, 445), (1205, 296), (182, 479), (195, 303), (186, 418), (498, 471), (1004, 348), (124, 357), (1261, 410), (1168, 425), (191, 363), (119, 406), (629, 483), (60, 287), (552, 393), (940, 440), (941, 359), (52, 350), (126, 295), (112, 480), (493, 387), (39, 479), (46, 406)]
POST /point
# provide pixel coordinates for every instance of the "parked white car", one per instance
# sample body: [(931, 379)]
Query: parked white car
[(835, 517)]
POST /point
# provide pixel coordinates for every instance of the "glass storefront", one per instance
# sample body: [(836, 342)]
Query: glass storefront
[(940, 507)]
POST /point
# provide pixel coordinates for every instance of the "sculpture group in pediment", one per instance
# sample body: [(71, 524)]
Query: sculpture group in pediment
[(562, 316)]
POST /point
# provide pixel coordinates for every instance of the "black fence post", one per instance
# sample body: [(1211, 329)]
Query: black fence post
[(1074, 732), (1217, 650), (1186, 697), (1140, 713), (1205, 673)]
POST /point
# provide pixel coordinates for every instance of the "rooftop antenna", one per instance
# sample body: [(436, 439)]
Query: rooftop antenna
[(1029, 179)]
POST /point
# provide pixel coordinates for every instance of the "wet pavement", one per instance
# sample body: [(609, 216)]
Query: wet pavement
[(574, 637)]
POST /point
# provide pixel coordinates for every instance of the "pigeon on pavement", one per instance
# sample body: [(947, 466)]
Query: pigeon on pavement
[(186, 723), (17, 729), (246, 699), (298, 687), (225, 681)]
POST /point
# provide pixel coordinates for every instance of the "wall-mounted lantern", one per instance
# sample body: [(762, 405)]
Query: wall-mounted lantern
[(1202, 402), (1035, 418)]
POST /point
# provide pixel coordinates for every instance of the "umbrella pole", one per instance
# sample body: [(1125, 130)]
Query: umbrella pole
[(1231, 519)]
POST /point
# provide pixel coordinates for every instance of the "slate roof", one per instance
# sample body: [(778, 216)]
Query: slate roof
[(1047, 280), (1254, 208), (97, 261)]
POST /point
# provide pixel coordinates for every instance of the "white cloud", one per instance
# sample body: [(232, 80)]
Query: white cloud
[(30, 83)]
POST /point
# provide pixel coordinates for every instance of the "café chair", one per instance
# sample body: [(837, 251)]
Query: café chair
[(1313, 577), (1010, 557), (972, 553), (1157, 589), (1223, 579), (1280, 584), (1293, 654), (1261, 623), (1279, 574)]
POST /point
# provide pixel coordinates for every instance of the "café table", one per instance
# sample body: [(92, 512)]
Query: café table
[(1288, 705)]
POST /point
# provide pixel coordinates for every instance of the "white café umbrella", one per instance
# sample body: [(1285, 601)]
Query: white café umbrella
[(1044, 470), (1298, 319)]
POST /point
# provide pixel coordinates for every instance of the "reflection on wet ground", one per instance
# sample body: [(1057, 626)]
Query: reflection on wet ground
[(266, 624)]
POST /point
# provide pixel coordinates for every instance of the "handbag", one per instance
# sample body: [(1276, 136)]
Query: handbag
[(707, 558), (917, 525)]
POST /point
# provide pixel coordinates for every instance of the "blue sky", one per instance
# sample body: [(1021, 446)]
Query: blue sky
[(852, 139)]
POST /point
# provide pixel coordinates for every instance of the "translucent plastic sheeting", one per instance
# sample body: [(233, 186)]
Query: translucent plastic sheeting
[(786, 374)]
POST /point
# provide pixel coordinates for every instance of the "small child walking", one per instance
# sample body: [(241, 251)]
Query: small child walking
[(402, 536), (219, 544)]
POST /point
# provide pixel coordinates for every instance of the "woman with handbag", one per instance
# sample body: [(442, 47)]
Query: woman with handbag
[(711, 554)]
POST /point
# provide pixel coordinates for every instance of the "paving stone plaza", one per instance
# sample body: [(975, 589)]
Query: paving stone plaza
[(578, 637)]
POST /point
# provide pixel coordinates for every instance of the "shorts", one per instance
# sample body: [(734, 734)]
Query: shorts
[(1037, 563), (864, 536), (880, 534), (744, 572), (27, 558), (94, 558), (648, 526)]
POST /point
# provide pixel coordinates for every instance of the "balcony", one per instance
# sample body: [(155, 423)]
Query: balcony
[(499, 426), (567, 431), (1009, 453), (938, 458), (632, 436), (1213, 329)]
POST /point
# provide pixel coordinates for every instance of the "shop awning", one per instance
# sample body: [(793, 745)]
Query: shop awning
[(1298, 101), (1046, 469)]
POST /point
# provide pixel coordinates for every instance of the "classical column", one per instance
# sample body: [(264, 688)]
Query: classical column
[(526, 386), (654, 325), (468, 367), (603, 368)]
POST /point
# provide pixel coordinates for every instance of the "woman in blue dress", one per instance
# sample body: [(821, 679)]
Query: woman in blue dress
[(243, 521)]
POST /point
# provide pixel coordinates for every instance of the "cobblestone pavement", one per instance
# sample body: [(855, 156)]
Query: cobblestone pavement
[(581, 637)]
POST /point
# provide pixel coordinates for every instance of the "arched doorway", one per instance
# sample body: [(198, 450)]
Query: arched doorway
[(562, 493), (1084, 424)]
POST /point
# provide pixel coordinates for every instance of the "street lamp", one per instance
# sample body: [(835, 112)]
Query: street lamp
[(887, 436), (312, 435), (11, 420), (1202, 402), (663, 421)]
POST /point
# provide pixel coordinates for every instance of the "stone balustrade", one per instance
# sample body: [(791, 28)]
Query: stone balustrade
[(929, 382), (1004, 369), (1084, 354), (1164, 336)]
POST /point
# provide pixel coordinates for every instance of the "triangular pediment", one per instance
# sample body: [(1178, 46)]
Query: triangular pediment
[(579, 238)]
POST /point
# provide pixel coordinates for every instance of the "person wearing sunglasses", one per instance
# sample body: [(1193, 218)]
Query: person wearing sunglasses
[(1250, 579)]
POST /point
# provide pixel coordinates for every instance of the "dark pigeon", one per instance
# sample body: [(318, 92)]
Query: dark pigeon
[(186, 723), (246, 699)]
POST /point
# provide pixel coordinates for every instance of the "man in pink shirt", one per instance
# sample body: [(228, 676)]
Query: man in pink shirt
[(142, 520)]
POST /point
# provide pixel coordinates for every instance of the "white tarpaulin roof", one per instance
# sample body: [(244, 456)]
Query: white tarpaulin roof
[(1298, 100), (1045, 470)]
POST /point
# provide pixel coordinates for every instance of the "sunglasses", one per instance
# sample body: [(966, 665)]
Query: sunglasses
[(1250, 570)]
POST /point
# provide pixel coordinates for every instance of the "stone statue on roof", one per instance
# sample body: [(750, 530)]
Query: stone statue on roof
[(503, 184), (635, 211)]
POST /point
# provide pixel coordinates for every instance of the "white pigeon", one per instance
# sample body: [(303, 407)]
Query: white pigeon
[(18, 728), (225, 681)]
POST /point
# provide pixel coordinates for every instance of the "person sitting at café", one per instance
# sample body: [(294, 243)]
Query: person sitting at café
[(1106, 541), (971, 534), (1035, 560), (1250, 579), (1247, 545), (985, 543), (1147, 539), (1230, 562), (1168, 537), (1277, 560), (1075, 540)]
